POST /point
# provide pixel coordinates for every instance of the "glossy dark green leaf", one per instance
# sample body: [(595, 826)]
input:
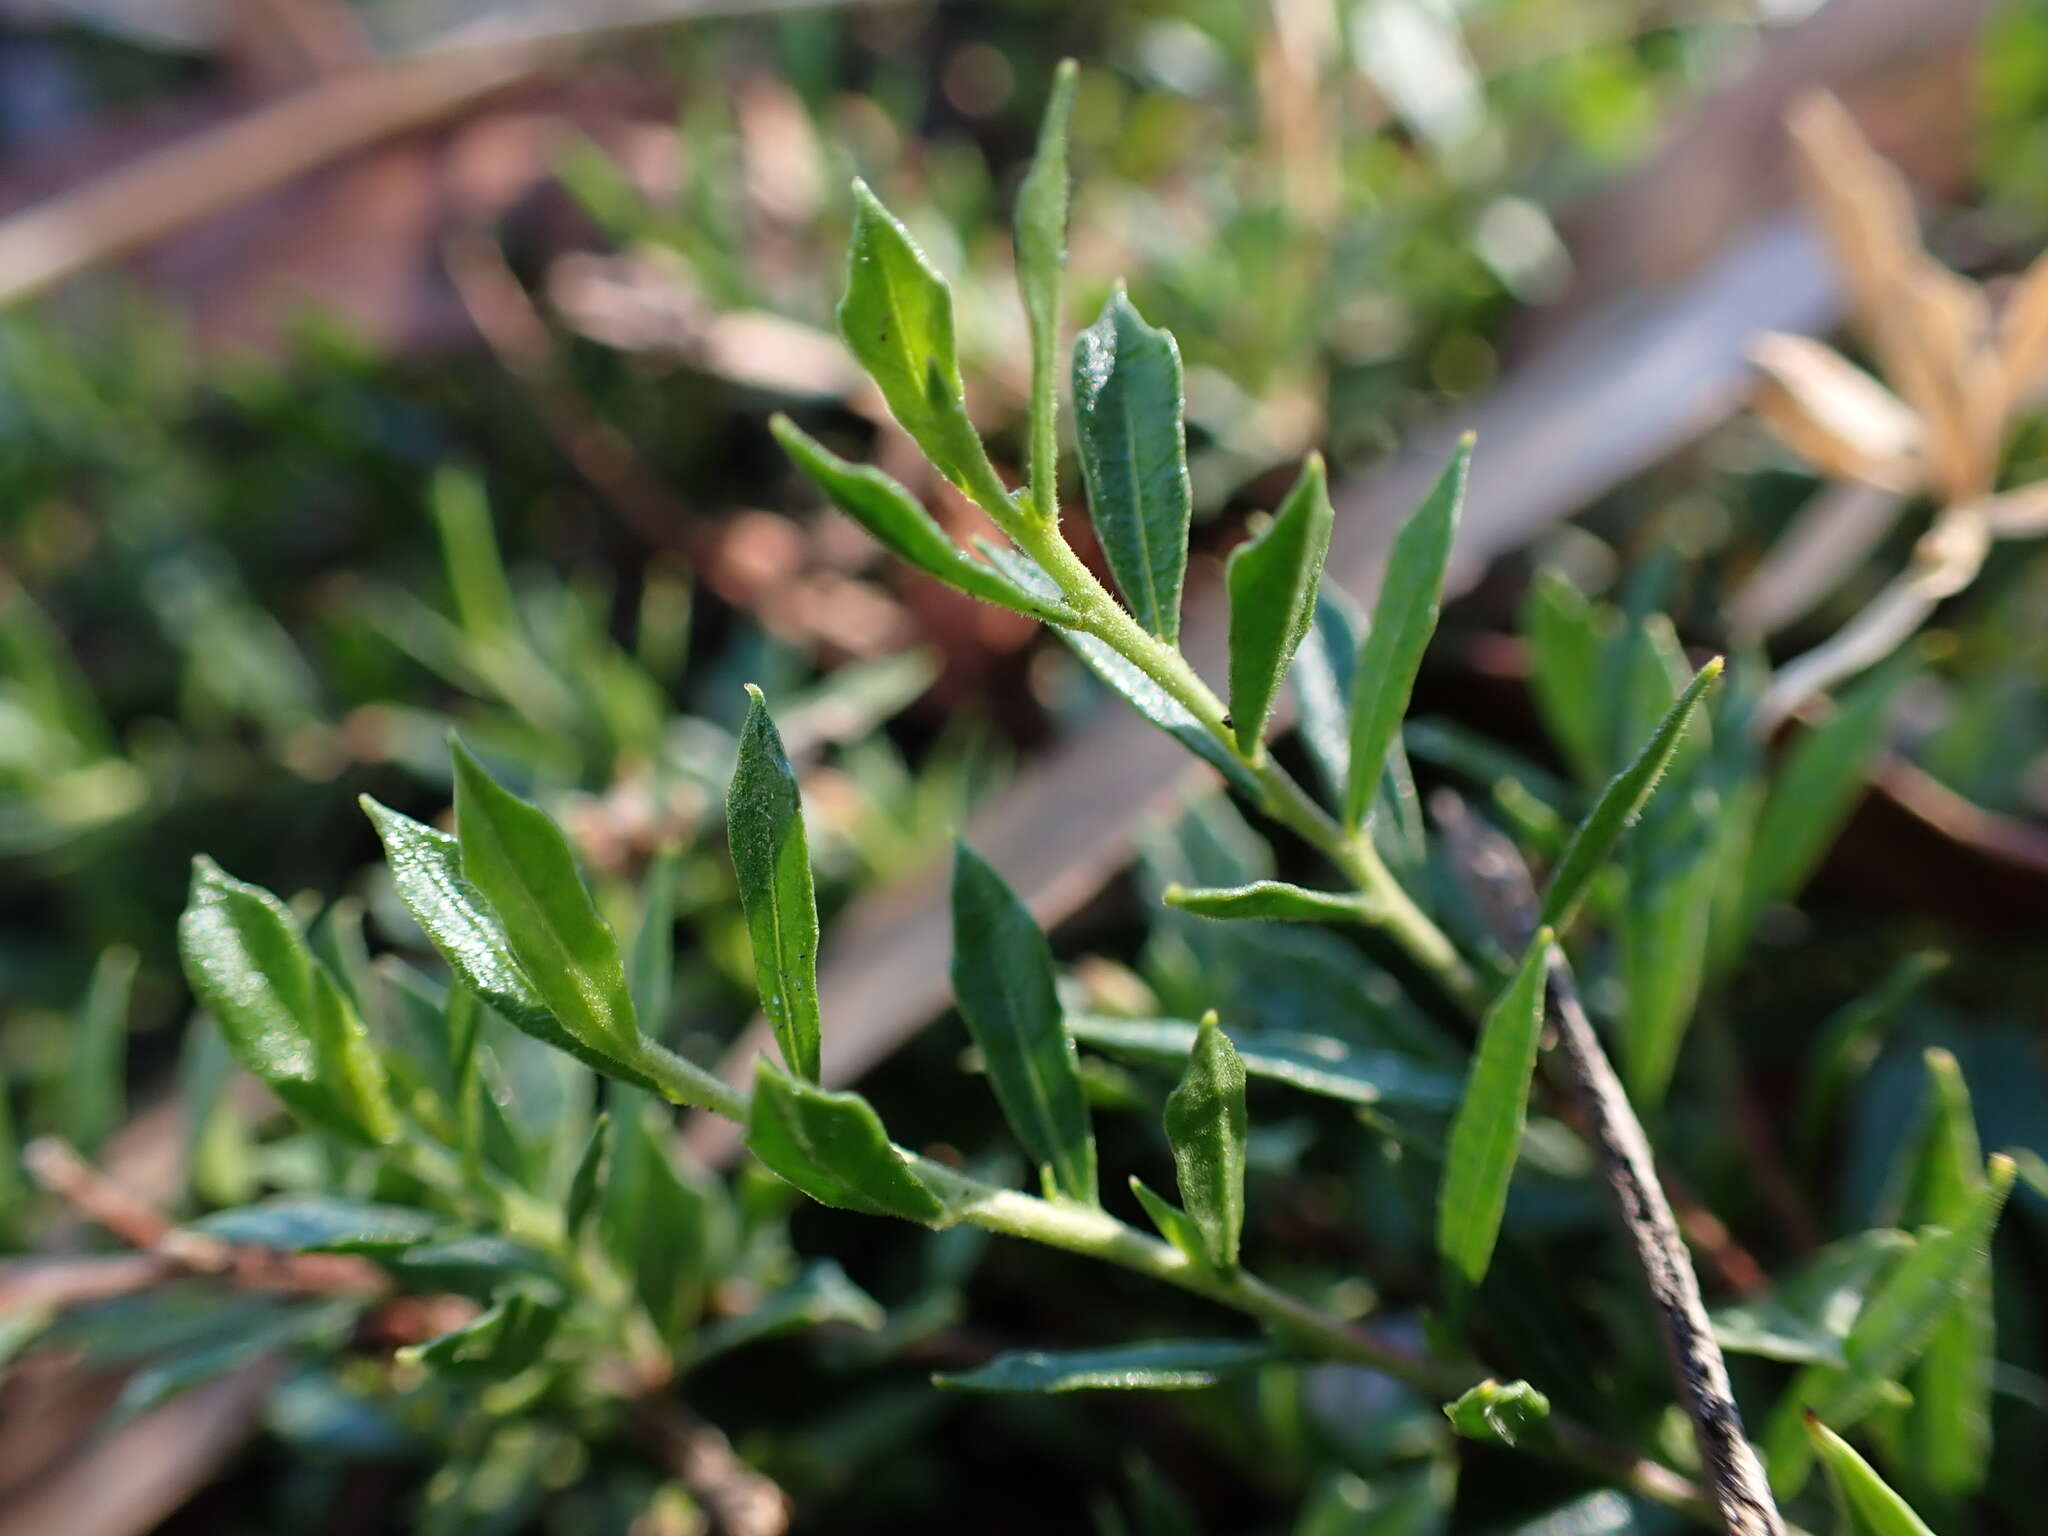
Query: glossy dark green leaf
[(95, 1077), (501, 1341), (903, 527), (1128, 414), (1270, 901), (1566, 635), (1318, 1064), (426, 870), (1892, 1331), (281, 1012), (321, 1224), (1877, 1510), (1499, 1413), (1619, 804), (1206, 1127), (1480, 1159), (1041, 258), (1003, 983), (897, 318), (833, 1148), (521, 864), (1273, 579), (764, 818), (1171, 1222), (1806, 1316), (821, 1294), (1169, 1365), (1402, 622)]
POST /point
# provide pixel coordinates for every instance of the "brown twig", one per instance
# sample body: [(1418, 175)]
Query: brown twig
[(742, 1501), (1507, 895)]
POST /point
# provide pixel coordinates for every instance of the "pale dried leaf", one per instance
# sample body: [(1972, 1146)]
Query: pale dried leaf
[(1863, 203), (1836, 416), (2018, 514), (1946, 321), (2023, 332)]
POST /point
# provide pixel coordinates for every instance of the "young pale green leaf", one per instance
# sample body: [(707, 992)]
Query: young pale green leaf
[(1480, 1158), (1171, 1221), (1566, 636), (1876, 1508), (1270, 901), (499, 1342), (1498, 1413), (522, 865), (1167, 1365), (1402, 622), (897, 318), (94, 1079), (282, 1014), (1618, 805), (1318, 1064), (1273, 578), (764, 818), (1949, 1422), (1661, 930), (1129, 415), (903, 527), (833, 1148), (1206, 1127), (1003, 982), (1891, 1332), (1041, 257), (426, 871)]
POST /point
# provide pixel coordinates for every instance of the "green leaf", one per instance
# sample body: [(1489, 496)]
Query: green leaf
[(1850, 1040), (897, 318), (522, 865), (1806, 1316), (1172, 1222), (95, 1078), (1402, 622), (764, 817), (283, 1015), (426, 871), (1169, 1365), (1661, 930), (1273, 577), (833, 1148), (1041, 257), (1206, 1127), (1318, 1064), (903, 527), (1324, 672), (586, 1185), (1497, 1413), (670, 1231), (1003, 982), (1128, 414), (1618, 805), (321, 1224), (502, 1341), (469, 551), (1480, 1158), (1270, 901), (1892, 1331), (1877, 1509), (821, 1294), (1566, 636)]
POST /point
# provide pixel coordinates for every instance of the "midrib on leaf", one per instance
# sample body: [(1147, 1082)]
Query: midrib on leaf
[(1151, 576)]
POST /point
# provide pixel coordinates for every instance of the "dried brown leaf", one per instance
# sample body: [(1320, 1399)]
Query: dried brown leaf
[(1836, 416), (1864, 205), (2023, 332)]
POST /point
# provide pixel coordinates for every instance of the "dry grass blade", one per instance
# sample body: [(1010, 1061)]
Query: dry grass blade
[(1863, 202), (1835, 415)]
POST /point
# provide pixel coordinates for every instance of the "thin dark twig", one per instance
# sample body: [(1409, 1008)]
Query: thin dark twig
[(1506, 895)]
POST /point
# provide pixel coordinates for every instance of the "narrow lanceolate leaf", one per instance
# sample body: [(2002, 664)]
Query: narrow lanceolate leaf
[(94, 1090), (1003, 982), (1205, 1126), (833, 1148), (521, 864), (1807, 1315), (1618, 805), (1402, 622), (587, 1183), (1565, 636), (1129, 415), (1850, 1041), (1872, 1504), (897, 318), (903, 527), (1270, 901), (1172, 1222), (426, 871), (1662, 931), (1325, 668), (1891, 1332), (1949, 1423), (1318, 1064), (283, 1015), (1169, 1365), (1041, 256), (823, 1293), (1480, 1158), (500, 1342), (764, 818), (1273, 579)]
